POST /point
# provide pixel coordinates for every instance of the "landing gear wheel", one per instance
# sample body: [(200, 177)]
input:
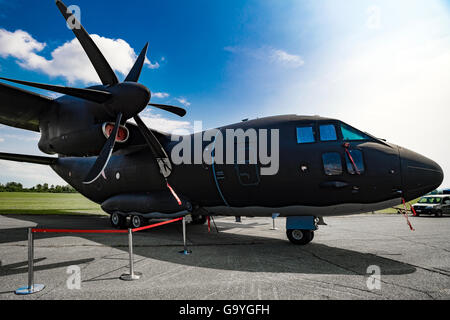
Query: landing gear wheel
[(300, 237), (198, 220), (137, 222), (118, 221)]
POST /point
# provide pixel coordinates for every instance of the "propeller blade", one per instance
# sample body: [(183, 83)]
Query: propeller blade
[(104, 71), (103, 159), (135, 72), (176, 110), (86, 94), (157, 149)]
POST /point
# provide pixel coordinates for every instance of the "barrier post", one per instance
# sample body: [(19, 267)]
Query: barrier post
[(185, 251), (274, 216), (132, 275), (31, 288)]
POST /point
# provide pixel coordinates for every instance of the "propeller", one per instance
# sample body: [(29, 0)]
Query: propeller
[(103, 159), (176, 110), (121, 100), (86, 94), (104, 70)]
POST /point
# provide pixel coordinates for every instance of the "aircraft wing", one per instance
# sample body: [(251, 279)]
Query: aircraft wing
[(20, 108)]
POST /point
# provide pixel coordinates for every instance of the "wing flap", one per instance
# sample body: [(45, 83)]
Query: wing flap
[(20, 108)]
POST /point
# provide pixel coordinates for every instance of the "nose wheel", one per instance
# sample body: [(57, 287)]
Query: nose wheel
[(300, 237)]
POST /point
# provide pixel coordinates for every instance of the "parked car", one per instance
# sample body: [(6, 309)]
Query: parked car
[(436, 205)]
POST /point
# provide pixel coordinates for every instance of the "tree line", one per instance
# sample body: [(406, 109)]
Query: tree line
[(40, 188)]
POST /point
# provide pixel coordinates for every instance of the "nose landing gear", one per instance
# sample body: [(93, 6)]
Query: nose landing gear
[(300, 230), (300, 237)]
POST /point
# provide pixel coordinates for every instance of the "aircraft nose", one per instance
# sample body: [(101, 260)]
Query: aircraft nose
[(420, 175)]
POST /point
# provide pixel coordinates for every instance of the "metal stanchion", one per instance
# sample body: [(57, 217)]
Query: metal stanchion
[(132, 275), (274, 216), (31, 288), (185, 251)]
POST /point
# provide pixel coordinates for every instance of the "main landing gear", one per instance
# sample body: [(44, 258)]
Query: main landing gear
[(119, 221)]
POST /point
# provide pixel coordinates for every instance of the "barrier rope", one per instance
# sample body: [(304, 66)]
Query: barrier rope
[(40, 230), (406, 215), (75, 231), (156, 225)]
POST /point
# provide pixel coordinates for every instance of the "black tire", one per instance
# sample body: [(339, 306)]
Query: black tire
[(300, 237), (118, 221), (438, 214), (198, 220), (137, 222)]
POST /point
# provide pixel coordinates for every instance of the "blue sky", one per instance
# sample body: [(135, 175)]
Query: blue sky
[(382, 66)]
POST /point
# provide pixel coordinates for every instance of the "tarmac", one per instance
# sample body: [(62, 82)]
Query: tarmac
[(353, 257)]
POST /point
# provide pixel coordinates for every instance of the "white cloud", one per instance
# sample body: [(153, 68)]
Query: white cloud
[(158, 122), (286, 59), (68, 60), (18, 44), (183, 101), (275, 56), (2, 140), (160, 95), (28, 174)]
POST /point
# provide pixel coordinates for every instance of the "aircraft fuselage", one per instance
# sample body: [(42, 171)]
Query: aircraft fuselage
[(313, 178)]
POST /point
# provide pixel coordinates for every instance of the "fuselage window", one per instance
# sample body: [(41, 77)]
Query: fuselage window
[(328, 133), (332, 164), (305, 135), (357, 165), (350, 134)]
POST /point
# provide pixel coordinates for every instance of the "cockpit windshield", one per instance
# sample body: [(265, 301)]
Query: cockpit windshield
[(350, 134)]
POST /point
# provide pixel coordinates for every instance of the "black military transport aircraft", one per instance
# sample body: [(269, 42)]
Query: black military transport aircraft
[(326, 167)]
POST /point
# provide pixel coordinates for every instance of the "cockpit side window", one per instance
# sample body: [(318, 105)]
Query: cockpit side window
[(350, 134), (305, 134), (332, 164), (355, 161), (328, 132)]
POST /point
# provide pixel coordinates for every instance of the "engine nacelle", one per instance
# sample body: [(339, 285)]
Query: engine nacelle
[(83, 143), (77, 129)]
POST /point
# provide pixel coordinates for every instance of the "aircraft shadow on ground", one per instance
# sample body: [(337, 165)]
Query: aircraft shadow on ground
[(221, 251)]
